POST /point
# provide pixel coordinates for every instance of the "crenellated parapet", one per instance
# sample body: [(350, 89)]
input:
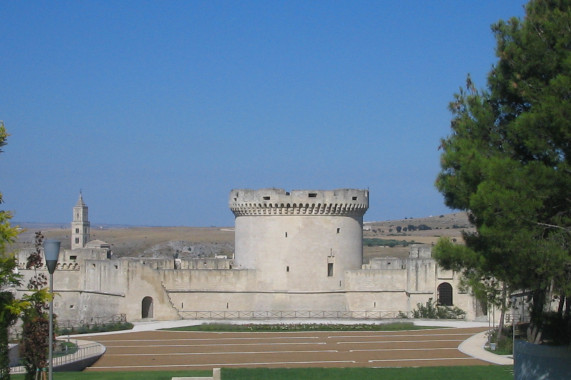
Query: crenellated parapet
[(60, 266), (340, 202)]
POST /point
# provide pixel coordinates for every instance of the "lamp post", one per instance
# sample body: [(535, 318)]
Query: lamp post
[(51, 253)]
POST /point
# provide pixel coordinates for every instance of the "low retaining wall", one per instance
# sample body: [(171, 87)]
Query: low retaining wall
[(87, 354), (535, 361), (78, 365)]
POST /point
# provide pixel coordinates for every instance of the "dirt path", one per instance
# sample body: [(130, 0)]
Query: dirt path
[(168, 350)]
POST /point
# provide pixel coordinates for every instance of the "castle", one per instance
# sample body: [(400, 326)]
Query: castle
[(297, 254)]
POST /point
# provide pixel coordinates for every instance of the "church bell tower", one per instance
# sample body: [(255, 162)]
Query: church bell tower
[(79, 225)]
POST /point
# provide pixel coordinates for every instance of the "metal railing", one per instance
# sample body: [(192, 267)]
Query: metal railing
[(82, 352), (286, 314)]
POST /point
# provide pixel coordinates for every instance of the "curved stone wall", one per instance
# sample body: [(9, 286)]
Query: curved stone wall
[(301, 240)]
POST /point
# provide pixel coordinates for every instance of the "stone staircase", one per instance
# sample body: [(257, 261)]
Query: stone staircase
[(170, 300)]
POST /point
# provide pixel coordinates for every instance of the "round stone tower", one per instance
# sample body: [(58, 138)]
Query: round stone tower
[(299, 241)]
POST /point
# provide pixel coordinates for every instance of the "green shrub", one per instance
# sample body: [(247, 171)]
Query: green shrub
[(86, 329), (374, 242), (504, 346), (556, 329), (432, 310)]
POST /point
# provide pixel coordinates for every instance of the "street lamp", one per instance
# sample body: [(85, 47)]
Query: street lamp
[(51, 252)]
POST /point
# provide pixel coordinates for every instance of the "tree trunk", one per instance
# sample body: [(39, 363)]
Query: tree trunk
[(535, 326), (561, 305), (502, 312), (4, 353), (538, 303)]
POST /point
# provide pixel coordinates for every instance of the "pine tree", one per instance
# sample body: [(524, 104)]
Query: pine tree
[(507, 160)]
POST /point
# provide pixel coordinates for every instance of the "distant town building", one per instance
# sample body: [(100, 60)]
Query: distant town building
[(80, 225)]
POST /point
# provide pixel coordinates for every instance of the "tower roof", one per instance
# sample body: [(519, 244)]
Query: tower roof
[(80, 202)]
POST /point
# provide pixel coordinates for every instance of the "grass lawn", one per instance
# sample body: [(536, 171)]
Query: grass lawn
[(447, 373), (147, 375)]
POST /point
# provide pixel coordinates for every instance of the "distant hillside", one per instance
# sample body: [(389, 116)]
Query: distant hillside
[(428, 226), (136, 241), (412, 230)]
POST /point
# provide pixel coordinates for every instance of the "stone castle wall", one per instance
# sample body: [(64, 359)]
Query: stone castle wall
[(111, 287), (296, 252)]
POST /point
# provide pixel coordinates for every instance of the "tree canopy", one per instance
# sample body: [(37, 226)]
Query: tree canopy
[(10, 307), (507, 159)]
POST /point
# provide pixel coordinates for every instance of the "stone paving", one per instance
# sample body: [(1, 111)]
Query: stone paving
[(468, 342), (473, 346)]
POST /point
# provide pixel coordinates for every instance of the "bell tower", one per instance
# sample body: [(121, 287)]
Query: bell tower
[(79, 225)]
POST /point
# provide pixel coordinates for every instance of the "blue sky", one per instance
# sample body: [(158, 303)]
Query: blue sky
[(157, 109)]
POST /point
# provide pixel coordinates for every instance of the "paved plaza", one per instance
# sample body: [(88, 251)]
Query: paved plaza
[(175, 350)]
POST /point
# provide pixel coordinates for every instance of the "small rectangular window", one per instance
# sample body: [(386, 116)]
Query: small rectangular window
[(287, 268), (312, 195), (354, 198), (77, 230), (73, 258), (286, 234), (266, 198), (338, 229), (329, 269)]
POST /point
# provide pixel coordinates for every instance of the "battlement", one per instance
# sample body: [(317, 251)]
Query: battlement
[(346, 202)]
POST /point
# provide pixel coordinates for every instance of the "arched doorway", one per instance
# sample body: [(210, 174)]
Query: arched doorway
[(147, 307), (445, 294)]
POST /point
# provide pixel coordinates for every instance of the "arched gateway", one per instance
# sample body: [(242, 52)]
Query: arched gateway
[(444, 291), (147, 308)]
